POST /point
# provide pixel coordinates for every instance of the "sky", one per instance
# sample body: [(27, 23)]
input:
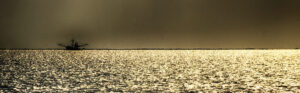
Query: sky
[(151, 23)]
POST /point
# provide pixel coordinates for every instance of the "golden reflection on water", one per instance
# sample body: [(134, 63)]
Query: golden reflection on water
[(150, 70)]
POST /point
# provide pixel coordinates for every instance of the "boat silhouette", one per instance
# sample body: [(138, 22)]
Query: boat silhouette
[(74, 45)]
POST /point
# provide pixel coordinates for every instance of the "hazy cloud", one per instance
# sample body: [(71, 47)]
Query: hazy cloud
[(151, 23)]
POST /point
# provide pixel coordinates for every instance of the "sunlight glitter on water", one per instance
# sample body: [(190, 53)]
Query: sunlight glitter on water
[(150, 70)]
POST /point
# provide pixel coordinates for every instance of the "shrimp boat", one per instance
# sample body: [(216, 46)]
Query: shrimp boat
[(74, 45)]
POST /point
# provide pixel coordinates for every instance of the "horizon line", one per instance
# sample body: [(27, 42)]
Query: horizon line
[(150, 48)]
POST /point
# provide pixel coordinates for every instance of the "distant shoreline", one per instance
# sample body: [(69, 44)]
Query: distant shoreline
[(154, 49)]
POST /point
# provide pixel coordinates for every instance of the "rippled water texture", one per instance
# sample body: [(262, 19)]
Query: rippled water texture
[(150, 71)]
